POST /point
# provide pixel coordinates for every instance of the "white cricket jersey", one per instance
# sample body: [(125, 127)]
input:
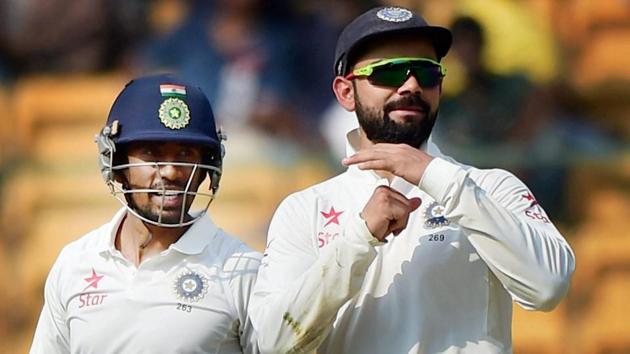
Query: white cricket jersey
[(444, 285), (191, 298)]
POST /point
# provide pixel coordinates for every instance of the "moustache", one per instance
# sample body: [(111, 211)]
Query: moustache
[(411, 101)]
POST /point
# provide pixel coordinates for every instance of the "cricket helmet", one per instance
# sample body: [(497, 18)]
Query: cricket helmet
[(160, 108)]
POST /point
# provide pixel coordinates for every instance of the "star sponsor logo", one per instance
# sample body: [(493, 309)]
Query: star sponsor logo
[(324, 238), (531, 199), (93, 280), (332, 216), (89, 299), (537, 214)]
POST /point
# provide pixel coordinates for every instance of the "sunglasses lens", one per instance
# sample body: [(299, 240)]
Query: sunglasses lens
[(428, 76), (394, 75), (389, 75)]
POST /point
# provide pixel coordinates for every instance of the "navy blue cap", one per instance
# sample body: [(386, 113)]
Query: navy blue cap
[(163, 108), (387, 20)]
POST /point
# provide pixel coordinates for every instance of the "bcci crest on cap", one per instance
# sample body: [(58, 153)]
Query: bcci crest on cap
[(394, 14), (191, 287), (174, 113)]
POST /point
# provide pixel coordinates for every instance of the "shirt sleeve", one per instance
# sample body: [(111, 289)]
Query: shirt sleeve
[(300, 289), (51, 333), (509, 230), (242, 282)]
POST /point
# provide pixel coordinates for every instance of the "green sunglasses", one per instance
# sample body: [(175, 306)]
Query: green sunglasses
[(394, 72)]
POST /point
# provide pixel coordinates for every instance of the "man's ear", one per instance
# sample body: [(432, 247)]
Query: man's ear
[(344, 91)]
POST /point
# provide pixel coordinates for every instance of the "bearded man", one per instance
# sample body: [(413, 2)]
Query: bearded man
[(408, 251)]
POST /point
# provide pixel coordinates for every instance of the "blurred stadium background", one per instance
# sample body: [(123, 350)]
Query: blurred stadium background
[(563, 94)]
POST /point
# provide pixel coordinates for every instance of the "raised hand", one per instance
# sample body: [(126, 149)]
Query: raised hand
[(399, 159)]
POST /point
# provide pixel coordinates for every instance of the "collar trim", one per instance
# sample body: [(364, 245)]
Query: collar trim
[(194, 241)]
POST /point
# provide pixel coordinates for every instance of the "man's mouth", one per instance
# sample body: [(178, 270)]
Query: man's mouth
[(408, 105), (409, 108), (168, 198), (407, 111), (167, 194)]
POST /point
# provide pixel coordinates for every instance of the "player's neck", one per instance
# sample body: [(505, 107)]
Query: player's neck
[(138, 241), (364, 143)]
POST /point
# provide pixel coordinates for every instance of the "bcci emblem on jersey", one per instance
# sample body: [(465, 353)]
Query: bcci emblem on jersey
[(435, 216), (191, 286)]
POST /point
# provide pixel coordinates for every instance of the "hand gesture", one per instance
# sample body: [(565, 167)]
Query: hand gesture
[(387, 212), (399, 159)]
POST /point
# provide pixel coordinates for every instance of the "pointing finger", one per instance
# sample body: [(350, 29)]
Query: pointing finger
[(368, 154)]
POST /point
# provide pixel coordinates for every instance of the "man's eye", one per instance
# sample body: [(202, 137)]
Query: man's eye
[(188, 154), (185, 153)]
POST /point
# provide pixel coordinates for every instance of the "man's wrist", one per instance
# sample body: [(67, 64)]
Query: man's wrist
[(364, 231)]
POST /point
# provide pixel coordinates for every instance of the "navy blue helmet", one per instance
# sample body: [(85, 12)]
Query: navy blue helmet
[(160, 108)]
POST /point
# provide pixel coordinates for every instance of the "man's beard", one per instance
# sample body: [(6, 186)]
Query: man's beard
[(382, 129), (166, 218), (168, 215)]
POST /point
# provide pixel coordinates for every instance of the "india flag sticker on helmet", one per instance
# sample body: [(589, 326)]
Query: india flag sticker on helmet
[(171, 90), (174, 113)]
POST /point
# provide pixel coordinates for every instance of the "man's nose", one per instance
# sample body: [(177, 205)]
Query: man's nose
[(169, 171), (410, 86)]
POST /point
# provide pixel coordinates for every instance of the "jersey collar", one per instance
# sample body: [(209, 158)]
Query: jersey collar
[(197, 237), (106, 244), (352, 144), (193, 241), (399, 184)]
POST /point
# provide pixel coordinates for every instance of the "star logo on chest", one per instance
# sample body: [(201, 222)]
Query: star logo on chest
[(93, 280), (332, 216)]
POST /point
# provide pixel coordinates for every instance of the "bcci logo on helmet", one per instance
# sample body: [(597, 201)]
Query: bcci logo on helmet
[(394, 14), (174, 113)]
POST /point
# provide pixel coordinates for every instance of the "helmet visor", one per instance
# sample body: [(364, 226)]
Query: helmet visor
[(163, 200)]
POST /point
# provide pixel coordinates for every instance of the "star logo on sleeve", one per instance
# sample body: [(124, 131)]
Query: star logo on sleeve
[(530, 198), (93, 280), (332, 216)]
